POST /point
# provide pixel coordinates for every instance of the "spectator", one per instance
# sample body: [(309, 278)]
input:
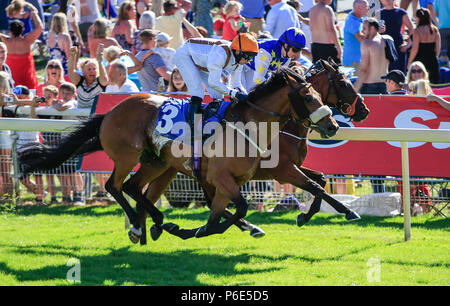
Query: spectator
[(218, 28), (416, 72), (125, 27), (20, 10), (233, 21), (141, 7), (253, 12), (59, 40), (442, 8), (325, 41), (374, 63), (6, 190), (154, 66), (395, 19), (73, 18), (176, 83), (20, 57), (113, 52), (89, 13), (395, 81), (3, 66), (53, 76), (162, 48), (202, 13), (419, 87), (98, 35), (94, 79), (353, 35), (428, 4), (404, 4), (171, 21), (445, 104), (280, 17), (118, 79), (147, 21), (427, 45)]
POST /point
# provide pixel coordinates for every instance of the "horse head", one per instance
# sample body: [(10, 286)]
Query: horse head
[(309, 109), (337, 89)]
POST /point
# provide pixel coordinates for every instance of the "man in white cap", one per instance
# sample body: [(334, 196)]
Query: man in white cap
[(163, 49)]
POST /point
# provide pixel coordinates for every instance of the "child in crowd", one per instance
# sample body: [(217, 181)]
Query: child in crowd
[(163, 49), (20, 10), (233, 21), (176, 83)]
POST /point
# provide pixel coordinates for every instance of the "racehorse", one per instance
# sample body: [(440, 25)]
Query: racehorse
[(126, 131), (339, 92)]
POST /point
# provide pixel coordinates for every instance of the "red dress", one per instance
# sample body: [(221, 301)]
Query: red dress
[(22, 69), (228, 32)]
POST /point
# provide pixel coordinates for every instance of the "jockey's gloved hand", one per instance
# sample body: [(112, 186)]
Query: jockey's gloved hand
[(238, 96)]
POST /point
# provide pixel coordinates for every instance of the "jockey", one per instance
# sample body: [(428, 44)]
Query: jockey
[(202, 63), (273, 54)]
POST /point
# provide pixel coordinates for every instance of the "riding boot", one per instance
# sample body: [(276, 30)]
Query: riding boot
[(195, 107)]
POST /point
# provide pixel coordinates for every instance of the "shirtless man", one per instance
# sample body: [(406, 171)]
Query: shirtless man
[(325, 41), (373, 60)]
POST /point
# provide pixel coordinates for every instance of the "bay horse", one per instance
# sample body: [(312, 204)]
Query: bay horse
[(339, 92), (126, 132)]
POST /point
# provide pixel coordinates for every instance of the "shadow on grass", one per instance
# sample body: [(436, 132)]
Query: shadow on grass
[(56, 210), (124, 266)]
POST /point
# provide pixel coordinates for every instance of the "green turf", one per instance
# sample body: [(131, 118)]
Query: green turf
[(36, 243)]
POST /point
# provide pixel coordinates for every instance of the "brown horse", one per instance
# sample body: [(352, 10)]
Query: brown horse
[(127, 131), (340, 93)]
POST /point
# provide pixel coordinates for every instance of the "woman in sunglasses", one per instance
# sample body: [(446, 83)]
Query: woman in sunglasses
[(273, 54), (417, 71), (202, 62), (54, 75)]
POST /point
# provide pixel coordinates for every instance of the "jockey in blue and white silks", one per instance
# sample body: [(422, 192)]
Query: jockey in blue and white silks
[(273, 54)]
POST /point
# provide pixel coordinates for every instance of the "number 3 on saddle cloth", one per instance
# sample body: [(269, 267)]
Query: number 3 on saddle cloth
[(172, 124)]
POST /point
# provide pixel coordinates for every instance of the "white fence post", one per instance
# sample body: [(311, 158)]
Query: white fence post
[(406, 195)]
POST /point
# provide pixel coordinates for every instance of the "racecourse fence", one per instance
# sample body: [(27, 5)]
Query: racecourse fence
[(426, 194)]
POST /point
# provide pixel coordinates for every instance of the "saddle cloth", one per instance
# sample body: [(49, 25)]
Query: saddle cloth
[(173, 113)]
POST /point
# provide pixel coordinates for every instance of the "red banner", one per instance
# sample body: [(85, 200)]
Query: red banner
[(356, 157)]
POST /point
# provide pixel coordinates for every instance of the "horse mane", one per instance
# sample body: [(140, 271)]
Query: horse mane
[(276, 80)]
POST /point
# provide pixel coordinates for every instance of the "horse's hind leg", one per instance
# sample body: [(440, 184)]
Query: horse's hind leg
[(134, 186), (315, 206)]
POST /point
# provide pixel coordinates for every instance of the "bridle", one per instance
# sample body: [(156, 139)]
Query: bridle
[(343, 106)]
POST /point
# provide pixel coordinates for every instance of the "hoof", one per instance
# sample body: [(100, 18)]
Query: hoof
[(352, 216), (201, 232), (134, 235), (301, 220), (257, 232), (155, 232), (170, 227)]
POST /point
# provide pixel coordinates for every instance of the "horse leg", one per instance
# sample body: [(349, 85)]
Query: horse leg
[(319, 178), (134, 186), (226, 189), (242, 224), (114, 187)]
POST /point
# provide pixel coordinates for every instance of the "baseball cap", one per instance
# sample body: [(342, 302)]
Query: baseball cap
[(218, 24), (163, 38), (21, 90), (147, 20), (395, 75)]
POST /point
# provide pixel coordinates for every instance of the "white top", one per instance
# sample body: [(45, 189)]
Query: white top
[(90, 7), (127, 87), (213, 57), (167, 56)]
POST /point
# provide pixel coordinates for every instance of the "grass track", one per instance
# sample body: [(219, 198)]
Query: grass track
[(36, 243)]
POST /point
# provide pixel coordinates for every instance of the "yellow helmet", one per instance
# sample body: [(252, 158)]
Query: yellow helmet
[(245, 42)]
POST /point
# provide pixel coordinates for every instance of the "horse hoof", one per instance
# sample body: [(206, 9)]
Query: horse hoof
[(155, 232), (134, 235), (170, 227), (301, 220), (201, 232), (257, 232), (352, 216)]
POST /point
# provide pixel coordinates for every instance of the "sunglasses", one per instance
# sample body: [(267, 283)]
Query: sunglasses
[(416, 70), (53, 66), (295, 49)]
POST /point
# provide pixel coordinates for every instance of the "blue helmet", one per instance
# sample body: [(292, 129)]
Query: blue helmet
[(293, 37)]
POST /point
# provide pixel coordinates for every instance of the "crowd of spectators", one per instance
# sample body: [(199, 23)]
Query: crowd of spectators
[(128, 46)]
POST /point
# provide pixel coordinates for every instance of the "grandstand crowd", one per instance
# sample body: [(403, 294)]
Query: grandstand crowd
[(107, 46)]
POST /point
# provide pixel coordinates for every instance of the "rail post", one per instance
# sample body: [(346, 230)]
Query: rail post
[(406, 195)]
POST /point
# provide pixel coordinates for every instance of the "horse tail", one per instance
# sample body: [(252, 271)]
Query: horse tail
[(85, 139)]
